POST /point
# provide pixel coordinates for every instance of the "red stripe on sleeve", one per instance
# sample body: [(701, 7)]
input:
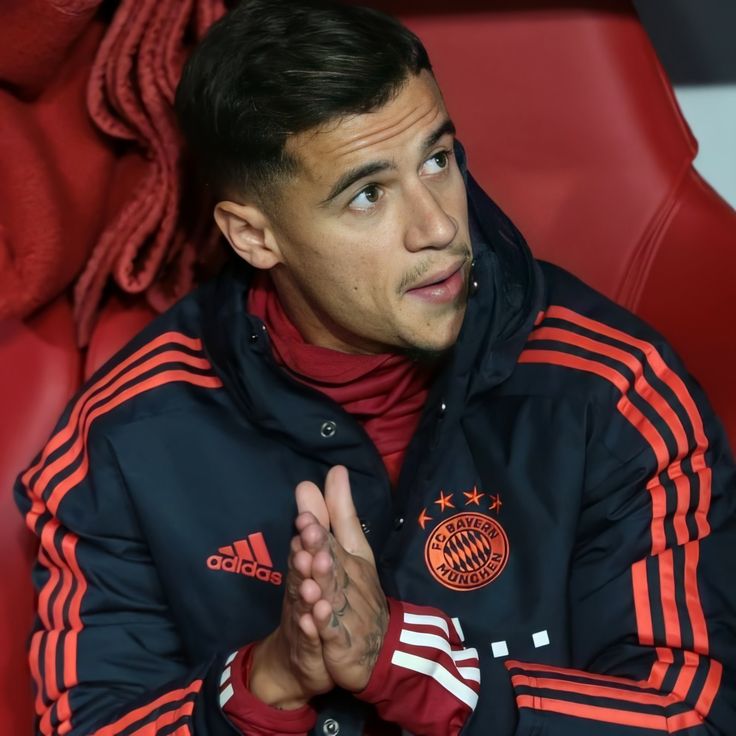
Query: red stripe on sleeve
[(66, 433), (673, 634), (34, 659), (686, 675), (44, 597), (182, 731), (643, 609), (64, 567), (599, 691), (692, 598), (144, 711), (633, 416), (644, 389), (678, 387), (167, 719), (160, 379), (699, 466), (594, 712), (680, 480), (513, 664), (90, 410), (710, 689), (69, 545)]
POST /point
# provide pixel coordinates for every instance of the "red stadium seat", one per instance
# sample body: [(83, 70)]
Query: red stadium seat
[(572, 126)]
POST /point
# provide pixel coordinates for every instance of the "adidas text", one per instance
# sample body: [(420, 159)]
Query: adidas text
[(244, 567)]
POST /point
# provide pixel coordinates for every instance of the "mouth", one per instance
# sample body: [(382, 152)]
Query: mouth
[(442, 286)]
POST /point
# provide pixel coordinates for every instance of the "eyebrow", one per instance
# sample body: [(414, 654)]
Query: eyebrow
[(374, 167), (352, 175), (445, 127)]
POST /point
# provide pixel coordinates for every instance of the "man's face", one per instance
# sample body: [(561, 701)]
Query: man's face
[(373, 230)]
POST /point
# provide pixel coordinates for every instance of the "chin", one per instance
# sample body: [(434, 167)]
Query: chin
[(434, 347)]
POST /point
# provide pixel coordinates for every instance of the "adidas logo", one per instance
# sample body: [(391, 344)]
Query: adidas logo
[(247, 557)]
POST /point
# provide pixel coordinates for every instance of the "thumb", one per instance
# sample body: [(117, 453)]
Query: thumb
[(309, 498), (344, 520)]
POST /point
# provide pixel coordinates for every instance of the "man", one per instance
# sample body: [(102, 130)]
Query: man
[(528, 513)]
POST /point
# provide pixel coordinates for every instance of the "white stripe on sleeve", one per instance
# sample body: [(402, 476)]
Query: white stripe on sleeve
[(431, 641), (225, 676), (424, 620), (458, 628), (439, 674), (226, 694), (462, 654), (470, 673)]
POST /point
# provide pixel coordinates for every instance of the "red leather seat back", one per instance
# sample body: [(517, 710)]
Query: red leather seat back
[(120, 321), (688, 290)]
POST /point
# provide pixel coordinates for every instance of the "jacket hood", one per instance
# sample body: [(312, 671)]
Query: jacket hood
[(506, 289)]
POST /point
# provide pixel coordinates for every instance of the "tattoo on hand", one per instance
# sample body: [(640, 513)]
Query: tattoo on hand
[(343, 609), (374, 641), (372, 649)]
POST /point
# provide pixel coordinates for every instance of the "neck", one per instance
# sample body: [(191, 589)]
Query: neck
[(315, 326)]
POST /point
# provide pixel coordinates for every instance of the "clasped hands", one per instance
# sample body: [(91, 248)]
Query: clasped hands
[(334, 616)]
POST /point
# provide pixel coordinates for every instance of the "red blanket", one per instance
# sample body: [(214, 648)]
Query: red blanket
[(89, 154)]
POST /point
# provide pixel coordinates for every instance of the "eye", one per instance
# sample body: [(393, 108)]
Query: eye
[(367, 198), (437, 163)]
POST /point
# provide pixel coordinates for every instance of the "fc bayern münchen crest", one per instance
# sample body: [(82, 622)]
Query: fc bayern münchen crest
[(468, 550)]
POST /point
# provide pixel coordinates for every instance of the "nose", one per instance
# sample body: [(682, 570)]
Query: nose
[(428, 225)]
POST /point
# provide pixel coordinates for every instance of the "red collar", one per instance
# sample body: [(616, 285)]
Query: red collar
[(385, 392)]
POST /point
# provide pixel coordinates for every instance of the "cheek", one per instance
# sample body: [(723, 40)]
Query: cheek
[(338, 281), (339, 265), (361, 268)]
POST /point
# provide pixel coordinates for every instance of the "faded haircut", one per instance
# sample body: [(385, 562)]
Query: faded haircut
[(270, 69)]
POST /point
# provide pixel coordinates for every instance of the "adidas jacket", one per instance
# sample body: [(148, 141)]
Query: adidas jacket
[(568, 500)]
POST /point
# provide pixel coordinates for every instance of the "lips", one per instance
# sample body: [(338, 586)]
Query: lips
[(442, 287), (438, 277)]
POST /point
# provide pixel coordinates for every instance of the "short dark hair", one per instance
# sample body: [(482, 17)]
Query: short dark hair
[(273, 68)]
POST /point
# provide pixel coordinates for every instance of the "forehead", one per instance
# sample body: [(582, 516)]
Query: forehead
[(400, 125)]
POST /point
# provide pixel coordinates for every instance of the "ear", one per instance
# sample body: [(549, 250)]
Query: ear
[(247, 229)]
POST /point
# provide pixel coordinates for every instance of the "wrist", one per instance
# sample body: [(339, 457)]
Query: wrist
[(270, 681), (378, 681)]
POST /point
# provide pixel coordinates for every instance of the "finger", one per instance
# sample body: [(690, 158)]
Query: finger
[(343, 518), (302, 563), (305, 518), (309, 498), (314, 537), (325, 572), (309, 592), (309, 628), (328, 623)]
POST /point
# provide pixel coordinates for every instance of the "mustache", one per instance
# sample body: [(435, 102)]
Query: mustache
[(418, 273)]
